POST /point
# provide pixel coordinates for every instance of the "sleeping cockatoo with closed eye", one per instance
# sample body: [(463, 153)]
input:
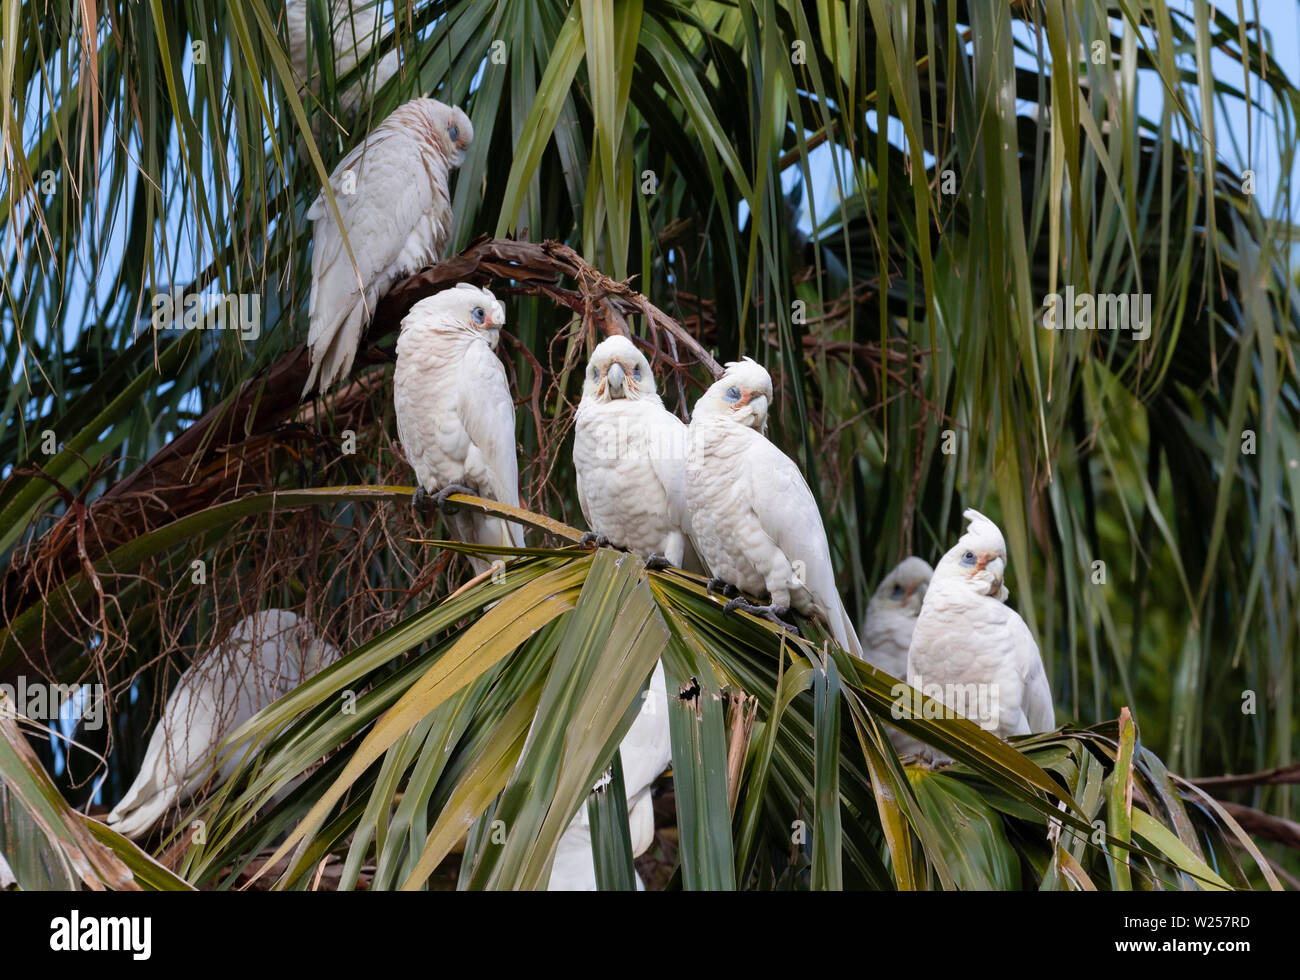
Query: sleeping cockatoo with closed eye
[(395, 204), (263, 658), (970, 645), (755, 521), (887, 629), (455, 412), (629, 453), (646, 751), (354, 27)]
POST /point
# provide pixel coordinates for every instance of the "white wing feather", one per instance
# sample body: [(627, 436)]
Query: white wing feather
[(395, 224), (258, 662), (487, 412), (1036, 699), (787, 511)]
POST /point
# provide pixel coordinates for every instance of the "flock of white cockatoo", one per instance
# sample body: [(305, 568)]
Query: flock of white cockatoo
[(715, 496)]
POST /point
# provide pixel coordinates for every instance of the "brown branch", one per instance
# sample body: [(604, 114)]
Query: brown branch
[(1283, 775), (1264, 825)]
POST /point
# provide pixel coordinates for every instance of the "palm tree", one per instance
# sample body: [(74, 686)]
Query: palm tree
[(875, 201)]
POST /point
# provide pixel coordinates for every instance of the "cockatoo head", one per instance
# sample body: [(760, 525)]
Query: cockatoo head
[(742, 395), (452, 130), (903, 589), (464, 310), (618, 370), (978, 561)]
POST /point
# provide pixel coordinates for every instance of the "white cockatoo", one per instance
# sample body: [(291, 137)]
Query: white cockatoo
[(646, 752), (263, 658), (887, 629), (455, 412), (754, 520), (395, 204), (355, 26), (972, 651), (629, 453)]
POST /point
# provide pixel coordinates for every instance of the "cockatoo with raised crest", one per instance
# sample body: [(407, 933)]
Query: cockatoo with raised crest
[(263, 658), (969, 645), (355, 27), (395, 204), (455, 412), (887, 629), (629, 453), (754, 519)]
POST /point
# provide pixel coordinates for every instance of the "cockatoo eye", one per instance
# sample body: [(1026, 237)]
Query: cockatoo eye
[(968, 559), (478, 314), (636, 373), (733, 394), (453, 131), (595, 373), (897, 594)]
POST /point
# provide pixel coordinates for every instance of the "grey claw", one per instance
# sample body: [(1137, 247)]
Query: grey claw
[(772, 614), (440, 498), (657, 563), (421, 503), (591, 538), (721, 585)]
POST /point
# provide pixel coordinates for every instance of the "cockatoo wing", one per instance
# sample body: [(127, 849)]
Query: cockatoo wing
[(260, 662), (1036, 699), (390, 215), (787, 511), (487, 412), (669, 464), (190, 729), (355, 33)]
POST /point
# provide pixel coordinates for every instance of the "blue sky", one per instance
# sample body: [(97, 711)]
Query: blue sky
[(1281, 21)]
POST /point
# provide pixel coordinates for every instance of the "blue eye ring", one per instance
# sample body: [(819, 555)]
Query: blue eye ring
[(478, 314), (636, 373), (897, 594), (453, 131), (733, 394), (595, 373), (968, 559)]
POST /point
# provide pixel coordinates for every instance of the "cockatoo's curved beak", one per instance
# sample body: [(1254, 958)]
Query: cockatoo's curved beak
[(616, 380), (997, 568)]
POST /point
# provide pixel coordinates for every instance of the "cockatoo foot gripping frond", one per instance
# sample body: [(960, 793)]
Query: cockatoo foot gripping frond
[(422, 504), (717, 585), (440, 498), (770, 613), (657, 563)]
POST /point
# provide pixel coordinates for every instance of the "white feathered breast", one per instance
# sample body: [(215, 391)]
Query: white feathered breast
[(630, 462)]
